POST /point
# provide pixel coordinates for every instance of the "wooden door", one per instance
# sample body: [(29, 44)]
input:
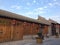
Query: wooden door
[(5, 31), (27, 29), (18, 32)]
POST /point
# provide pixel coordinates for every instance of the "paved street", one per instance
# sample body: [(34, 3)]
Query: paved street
[(47, 41)]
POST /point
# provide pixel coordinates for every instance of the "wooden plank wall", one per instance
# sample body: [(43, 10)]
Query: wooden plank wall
[(5, 31), (27, 28), (10, 31), (18, 31), (35, 29), (45, 30), (31, 28)]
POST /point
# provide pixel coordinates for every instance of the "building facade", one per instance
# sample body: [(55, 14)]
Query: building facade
[(17, 27), (54, 27), (45, 28)]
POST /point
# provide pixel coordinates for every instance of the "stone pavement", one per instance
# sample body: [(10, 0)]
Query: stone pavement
[(47, 41)]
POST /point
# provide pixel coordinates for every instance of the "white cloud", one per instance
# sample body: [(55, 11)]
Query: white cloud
[(37, 3), (34, 1), (29, 13), (56, 3), (41, 12), (56, 18), (42, 2), (35, 12), (54, 0), (26, 8), (41, 8), (50, 4), (45, 7), (16, 7), (28, 4), (53, 4)]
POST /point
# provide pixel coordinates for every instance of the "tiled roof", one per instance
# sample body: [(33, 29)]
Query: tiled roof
[(43, 20), (17, 16), (52, 21)]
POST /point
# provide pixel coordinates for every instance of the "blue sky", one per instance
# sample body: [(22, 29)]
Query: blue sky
[(33, 8)]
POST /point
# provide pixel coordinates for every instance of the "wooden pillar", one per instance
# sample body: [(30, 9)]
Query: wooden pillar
[(32, 29), (45, 30), (12, 28), (39, 28)]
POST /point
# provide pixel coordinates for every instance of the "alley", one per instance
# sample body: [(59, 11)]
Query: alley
[(47, 41)]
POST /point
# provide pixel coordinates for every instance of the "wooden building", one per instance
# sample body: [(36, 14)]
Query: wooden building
[(44, 27), (54, 27), (15, 27)]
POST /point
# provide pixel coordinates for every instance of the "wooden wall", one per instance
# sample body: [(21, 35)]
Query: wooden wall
[(35, 29), (15, 29), (45, 30), (27, 28), (10, 31), (5, 30), (18, 31), (31, 28)]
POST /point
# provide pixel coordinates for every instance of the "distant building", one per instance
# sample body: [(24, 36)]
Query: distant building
[(45, 28), (54, 27)]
